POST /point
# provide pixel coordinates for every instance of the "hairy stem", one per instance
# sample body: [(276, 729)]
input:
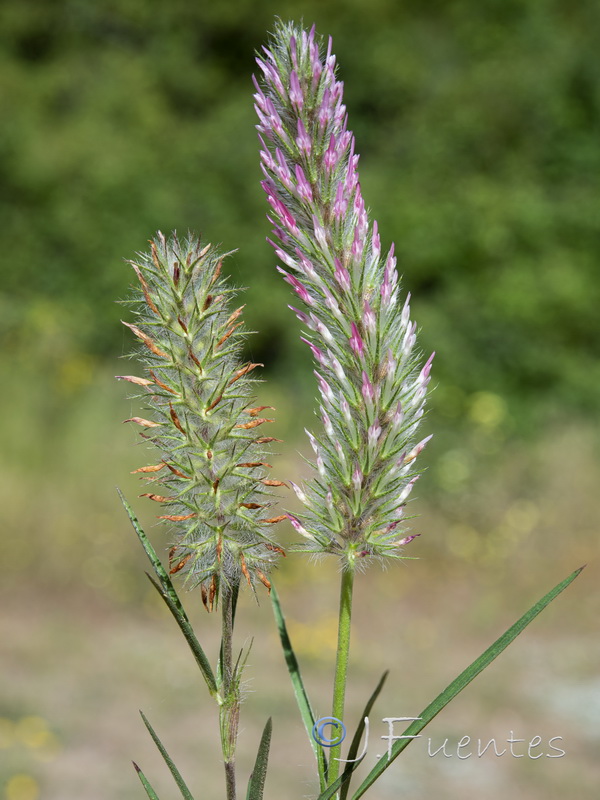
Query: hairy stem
[(341, 666), (230, 700)]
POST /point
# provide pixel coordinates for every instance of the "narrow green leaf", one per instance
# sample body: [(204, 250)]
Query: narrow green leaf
[(167, 591), (185, 792), (465, 677), (190, 638), (160, 571), (308, 718), (145, 783), (330, 791), (256, 785), (354, 745)]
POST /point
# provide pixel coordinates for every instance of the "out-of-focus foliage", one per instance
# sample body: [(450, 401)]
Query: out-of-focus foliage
[(478, 125)]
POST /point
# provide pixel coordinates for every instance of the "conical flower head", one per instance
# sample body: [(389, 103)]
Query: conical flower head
[(210, 473), (372, 388)]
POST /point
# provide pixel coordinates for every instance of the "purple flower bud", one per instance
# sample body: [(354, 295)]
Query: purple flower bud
[(327, 424), (342, 276), (322, 329), (369, 319), (340, 204), (398, 416), (304, 190), (304, 318), (303, 139), (297, 286), (318, 354), (407, 489), (409, 339), (299, 527), (357, 478), (299, 493), (373, 434), (296, 95), (417, 449), (346, 410), (404, 319), (407, 539), (376, 242), (337, 368), (325, 389), (367, 389), (320, 234), (356, 342)]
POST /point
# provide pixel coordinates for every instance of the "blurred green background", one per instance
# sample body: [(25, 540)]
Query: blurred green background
[(478, 126)]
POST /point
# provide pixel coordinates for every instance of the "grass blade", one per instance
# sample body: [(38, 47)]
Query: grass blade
[(190, 638), (145, 783), (160, 571), (308, 718), (185, 792), (167, 591), (463, 680), (330, 791), (354, 745), (256, 785)]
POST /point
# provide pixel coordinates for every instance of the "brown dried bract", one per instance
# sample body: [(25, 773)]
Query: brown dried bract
[(245, 572), (250, 505), (227, 335), (194, 359), (162, 385), (134, 379), (158, 497), (235, 314), (268, 482), (254, 464), (254, 423), (176, 420), (273, 520), (212, 591), (177, 517), (151, 468), (180, 564), (217, 272), (276, 549), (146, 423), (254, 411), (267, 439), (215, 403), (264, 580), (177, 472), (146, 340), (243, 371), (145, 289)]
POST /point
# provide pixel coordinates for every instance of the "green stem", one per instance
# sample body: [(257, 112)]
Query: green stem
[(341, 665), (229, 710)]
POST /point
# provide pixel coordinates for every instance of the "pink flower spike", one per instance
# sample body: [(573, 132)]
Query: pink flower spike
[(356, 342), (296, 95)]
